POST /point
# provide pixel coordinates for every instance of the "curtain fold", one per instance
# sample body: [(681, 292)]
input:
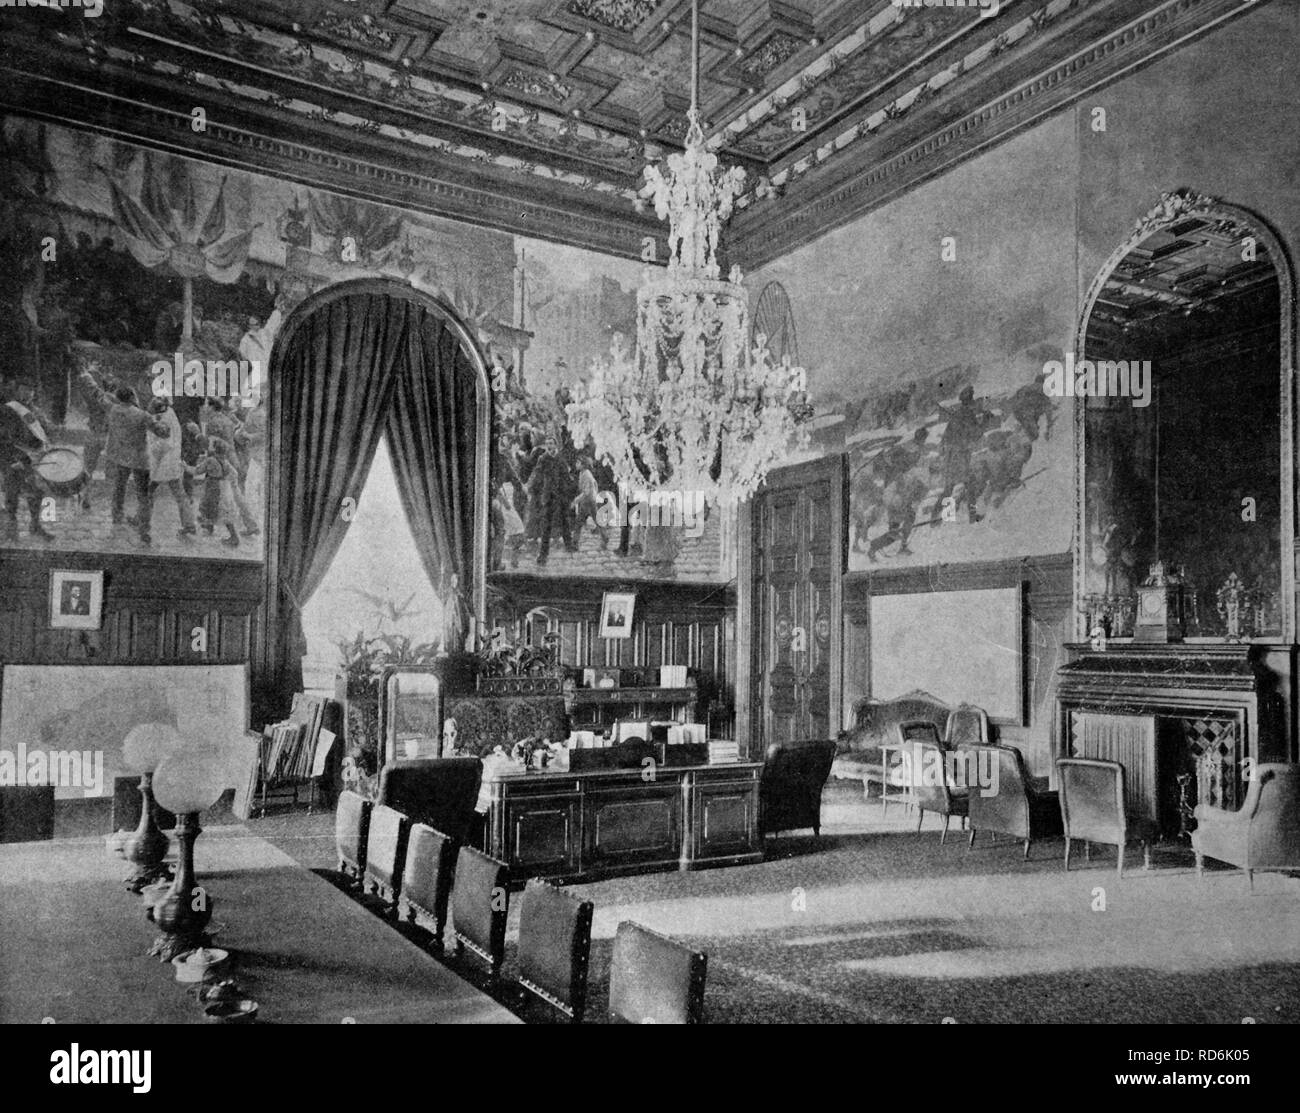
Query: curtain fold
[(432, 428), (359, 367), (334, 388)]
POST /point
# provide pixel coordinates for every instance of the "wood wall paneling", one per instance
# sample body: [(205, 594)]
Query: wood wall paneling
[(673, 623), (151, 607)]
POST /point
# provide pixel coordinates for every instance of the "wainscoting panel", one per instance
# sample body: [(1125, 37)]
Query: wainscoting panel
[(152, 608), (673, 624)]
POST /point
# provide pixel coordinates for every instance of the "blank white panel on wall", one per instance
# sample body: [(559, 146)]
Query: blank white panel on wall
[(957, 645)]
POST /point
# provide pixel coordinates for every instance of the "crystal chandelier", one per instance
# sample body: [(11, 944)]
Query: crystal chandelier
[(694, 407)]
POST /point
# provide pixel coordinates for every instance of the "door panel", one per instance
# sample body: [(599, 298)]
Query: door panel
[(794, 570)]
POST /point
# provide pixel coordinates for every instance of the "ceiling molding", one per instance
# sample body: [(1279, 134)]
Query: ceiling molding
[(433, 184), (539, 124), (849, 187)]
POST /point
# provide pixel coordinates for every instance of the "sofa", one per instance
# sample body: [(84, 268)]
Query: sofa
[(875, 723)]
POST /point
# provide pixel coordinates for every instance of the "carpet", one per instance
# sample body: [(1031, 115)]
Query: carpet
[(875, 923)]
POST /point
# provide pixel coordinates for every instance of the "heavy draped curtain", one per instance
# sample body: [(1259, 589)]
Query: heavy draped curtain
[(359, 366)]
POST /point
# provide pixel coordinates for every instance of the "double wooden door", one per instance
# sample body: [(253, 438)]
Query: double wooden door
[(797, 559)]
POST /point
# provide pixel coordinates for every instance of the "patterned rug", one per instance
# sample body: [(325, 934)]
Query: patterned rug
[(878, 924)]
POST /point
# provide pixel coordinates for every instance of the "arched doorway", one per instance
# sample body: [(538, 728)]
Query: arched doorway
[(358, 361), (1187, 457)]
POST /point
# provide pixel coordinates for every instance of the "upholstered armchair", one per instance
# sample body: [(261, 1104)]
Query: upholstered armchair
[(438, 792), (1018, 808), (1264, 834), (790, 791), (1093, 808), (930, 794)]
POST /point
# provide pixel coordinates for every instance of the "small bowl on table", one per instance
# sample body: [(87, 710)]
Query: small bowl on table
[(231, 1010), (201, 964)]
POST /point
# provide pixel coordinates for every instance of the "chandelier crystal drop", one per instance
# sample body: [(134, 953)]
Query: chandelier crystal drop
[(695, 407)]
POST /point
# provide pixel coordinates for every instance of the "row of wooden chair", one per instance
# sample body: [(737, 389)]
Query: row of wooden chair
[(406, 870)]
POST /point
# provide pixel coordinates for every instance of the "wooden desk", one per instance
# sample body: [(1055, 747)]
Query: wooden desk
[(73, 943), (609, 821)]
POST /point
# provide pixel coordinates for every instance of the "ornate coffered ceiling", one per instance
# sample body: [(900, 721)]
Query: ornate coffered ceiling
[(537, 115)]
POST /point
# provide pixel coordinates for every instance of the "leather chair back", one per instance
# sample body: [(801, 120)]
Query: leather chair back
[(127, 803), (1092, 800), (654, 979), (386, 851), (351, 828), (439, 792), (790, 789), (480, 903), (426, 877), (555, 947), (1007, 811), (26, 813)]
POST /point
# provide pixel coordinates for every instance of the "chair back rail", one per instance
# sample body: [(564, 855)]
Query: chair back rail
[(427, 876), (386, 851), (351, 830), (654, 979), (555, 947), (479, 906)]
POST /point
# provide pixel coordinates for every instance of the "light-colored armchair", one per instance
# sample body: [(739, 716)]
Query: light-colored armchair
[(1264, 834)]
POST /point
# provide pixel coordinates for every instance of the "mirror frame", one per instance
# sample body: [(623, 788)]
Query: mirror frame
[(1175, 207)]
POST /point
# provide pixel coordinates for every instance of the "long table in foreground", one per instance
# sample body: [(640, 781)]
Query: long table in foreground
[(73, 943)]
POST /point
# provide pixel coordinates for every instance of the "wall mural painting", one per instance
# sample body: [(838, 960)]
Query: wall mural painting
[(556, 508), (946, 465), (116, 262), (925, 327)]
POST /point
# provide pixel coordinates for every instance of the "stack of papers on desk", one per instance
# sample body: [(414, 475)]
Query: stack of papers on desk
[(723, 752)]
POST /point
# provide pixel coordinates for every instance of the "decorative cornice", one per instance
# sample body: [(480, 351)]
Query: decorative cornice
[(848, 188), (441, 186)]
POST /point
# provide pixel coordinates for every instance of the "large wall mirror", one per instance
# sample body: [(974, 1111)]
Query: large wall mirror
[(1184, 429)]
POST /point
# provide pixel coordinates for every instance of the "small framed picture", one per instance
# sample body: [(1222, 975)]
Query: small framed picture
[(616, 614), (76, 599)]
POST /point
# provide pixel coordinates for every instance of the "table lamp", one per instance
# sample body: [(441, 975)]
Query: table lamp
[(142, 751), (186, 782)]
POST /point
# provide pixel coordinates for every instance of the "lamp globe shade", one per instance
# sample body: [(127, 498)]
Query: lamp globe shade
[(190, 781), (148, 744)]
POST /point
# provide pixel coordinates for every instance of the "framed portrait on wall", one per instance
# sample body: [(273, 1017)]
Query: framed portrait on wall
[(76, 599), (616, 614)]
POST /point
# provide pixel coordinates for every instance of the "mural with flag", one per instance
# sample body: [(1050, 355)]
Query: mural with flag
[(144, 260)]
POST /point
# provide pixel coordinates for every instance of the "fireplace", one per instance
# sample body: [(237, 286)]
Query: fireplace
[(1189, 710)]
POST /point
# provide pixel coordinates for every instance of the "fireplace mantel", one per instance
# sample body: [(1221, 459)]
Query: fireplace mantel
[(1204, 708)]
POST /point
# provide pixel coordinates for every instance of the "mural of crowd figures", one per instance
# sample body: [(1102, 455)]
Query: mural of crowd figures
[(925, 365), (113, 258), (556, 508), (939, 461)]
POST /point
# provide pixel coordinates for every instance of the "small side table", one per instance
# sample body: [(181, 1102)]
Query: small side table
[(891, 758)]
